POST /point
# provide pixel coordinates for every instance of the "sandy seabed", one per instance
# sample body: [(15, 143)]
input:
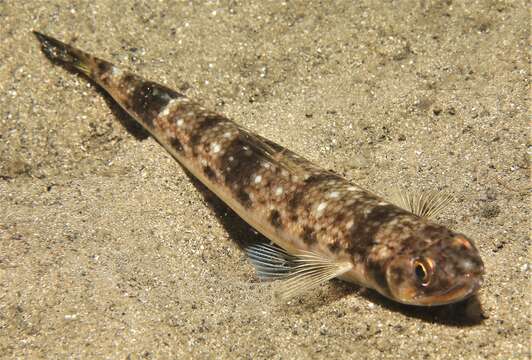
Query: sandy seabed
[(108, 250)]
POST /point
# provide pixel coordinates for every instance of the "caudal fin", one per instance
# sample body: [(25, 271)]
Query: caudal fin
[(67, 55)]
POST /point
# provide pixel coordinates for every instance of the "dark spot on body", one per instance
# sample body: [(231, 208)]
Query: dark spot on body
[(240, 170), (102, 70), (204, 125), (314, 180), (321, 177), (378, 273), (243, 198), (296, 198), (308, 235), (275, 219), (128, 81), (103, 67), (207, 170), (431, 231), (176, 144), (383, 214), (149, 99), (129, 78), (397, 274), (365, 228), (334, 247)]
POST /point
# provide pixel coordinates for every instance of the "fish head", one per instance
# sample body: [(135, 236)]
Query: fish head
[(444, 270)]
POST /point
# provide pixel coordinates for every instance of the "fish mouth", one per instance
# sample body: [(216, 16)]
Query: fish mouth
[(454, 294)]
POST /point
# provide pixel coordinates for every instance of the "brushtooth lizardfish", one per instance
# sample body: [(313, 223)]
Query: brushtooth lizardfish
[(321, 226)]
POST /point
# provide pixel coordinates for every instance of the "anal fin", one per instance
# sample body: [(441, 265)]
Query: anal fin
[(298, 272)]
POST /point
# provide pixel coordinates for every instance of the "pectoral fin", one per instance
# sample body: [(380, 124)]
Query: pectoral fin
[(298, 272)]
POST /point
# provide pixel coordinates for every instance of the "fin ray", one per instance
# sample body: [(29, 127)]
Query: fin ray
[(298, 272), (424, 204)]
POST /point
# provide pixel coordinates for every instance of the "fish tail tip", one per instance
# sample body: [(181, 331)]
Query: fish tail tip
[(46, 40), (58, 51), (48, 44), (40, 36)]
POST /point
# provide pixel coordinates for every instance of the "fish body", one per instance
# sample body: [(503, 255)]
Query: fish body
[(322, 225)]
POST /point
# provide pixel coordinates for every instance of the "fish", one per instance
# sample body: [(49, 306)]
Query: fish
[(320, 226)]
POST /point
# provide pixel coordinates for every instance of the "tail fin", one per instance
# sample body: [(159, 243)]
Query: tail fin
[(142, 99), (67, 55)]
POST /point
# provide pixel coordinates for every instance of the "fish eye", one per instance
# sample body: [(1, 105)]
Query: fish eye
[(423, 271)]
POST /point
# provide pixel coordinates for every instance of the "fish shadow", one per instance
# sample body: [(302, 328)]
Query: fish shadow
[(238, 230), (466, 313), (131, 126)]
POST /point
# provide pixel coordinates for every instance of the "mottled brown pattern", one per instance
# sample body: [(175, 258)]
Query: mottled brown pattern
[(240, 164), (200, 133)]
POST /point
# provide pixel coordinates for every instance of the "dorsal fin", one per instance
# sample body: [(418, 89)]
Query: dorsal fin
[(425, 204)]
